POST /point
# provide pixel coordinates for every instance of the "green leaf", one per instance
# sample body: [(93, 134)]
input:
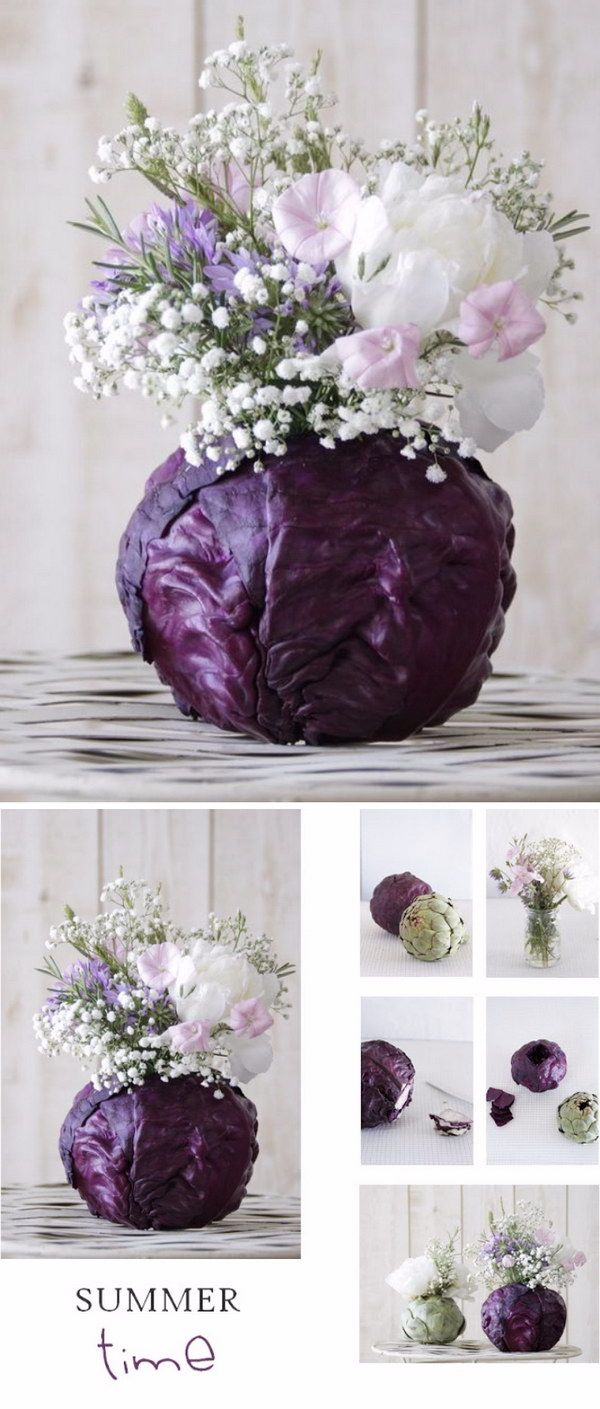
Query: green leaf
[(566, 234), (135, 109), (91, 229), (70, 914)]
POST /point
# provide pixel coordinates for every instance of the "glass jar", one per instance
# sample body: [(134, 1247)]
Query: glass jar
[(542, 938)]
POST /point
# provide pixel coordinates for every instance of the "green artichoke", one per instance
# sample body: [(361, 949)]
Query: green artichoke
[(431, 928), (432, 1320), (577, 1117)]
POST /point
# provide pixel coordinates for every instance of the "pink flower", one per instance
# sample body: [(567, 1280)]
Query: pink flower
[(233, 179), (315, 217), (381, 357), (190, 1036), (522, 877), (501, 316), (250, 1018), (157, 966)]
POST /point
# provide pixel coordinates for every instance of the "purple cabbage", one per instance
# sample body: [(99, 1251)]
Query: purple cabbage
[(392, 896), (337, 596), (539, 1065), (517, 1318), (164, 1155), (386, 1083)]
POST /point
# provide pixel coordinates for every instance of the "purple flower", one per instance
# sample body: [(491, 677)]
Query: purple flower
[(181, 239), (91, 978)]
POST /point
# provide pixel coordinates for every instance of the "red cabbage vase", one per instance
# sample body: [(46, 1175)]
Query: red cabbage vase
[(336, 596)]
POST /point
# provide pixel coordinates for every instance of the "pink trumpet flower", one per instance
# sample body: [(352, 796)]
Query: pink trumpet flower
[(315, 217), (157, 966), (523, 876), (377, 358), (500, 316), (190, 1036), (250, 1018)]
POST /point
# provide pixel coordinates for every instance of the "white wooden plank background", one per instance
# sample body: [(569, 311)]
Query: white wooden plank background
[(397, 1221), (242, 859), (77, 468)]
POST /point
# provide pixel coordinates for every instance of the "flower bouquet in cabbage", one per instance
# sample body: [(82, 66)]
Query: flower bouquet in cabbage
[(544, 874), (526, 1265), (323, 558), (428, 1286), (169, 1024)]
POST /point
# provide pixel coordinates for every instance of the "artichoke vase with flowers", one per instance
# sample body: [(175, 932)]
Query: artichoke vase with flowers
[(430, 1286)]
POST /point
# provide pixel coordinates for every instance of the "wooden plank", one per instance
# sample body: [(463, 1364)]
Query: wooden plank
[(525, 69), (48, 858), (435, 1211), (67, 69), (384, 1243), (353, 52), (256, 869), (102, 728), (582, 1232), (167, 846), (477, 1200)]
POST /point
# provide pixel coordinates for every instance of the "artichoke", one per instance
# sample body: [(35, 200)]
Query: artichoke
[(431, 928), (577, 1117), (540, 1065), (392, 896), (432, 1320)]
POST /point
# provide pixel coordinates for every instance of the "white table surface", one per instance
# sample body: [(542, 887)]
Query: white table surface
[(50, 1220), (413, 1138), (383, 956), (459, 1351), (506, 919), (102, 728), (532, 1137)]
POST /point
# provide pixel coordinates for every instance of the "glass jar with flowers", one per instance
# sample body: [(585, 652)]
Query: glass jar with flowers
[(544, 874)]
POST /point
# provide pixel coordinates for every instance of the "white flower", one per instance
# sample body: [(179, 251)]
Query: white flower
[(580, 892), (414, 1276), (497, 398), (220, 318), (420, 245), (249, 1056), (211, 979)]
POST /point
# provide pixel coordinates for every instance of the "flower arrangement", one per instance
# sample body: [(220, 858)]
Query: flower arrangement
[(297, 282), (523, 1247), (145, 998), (428, 1285), (527, 1266), (437, 1272), (546, 873)]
